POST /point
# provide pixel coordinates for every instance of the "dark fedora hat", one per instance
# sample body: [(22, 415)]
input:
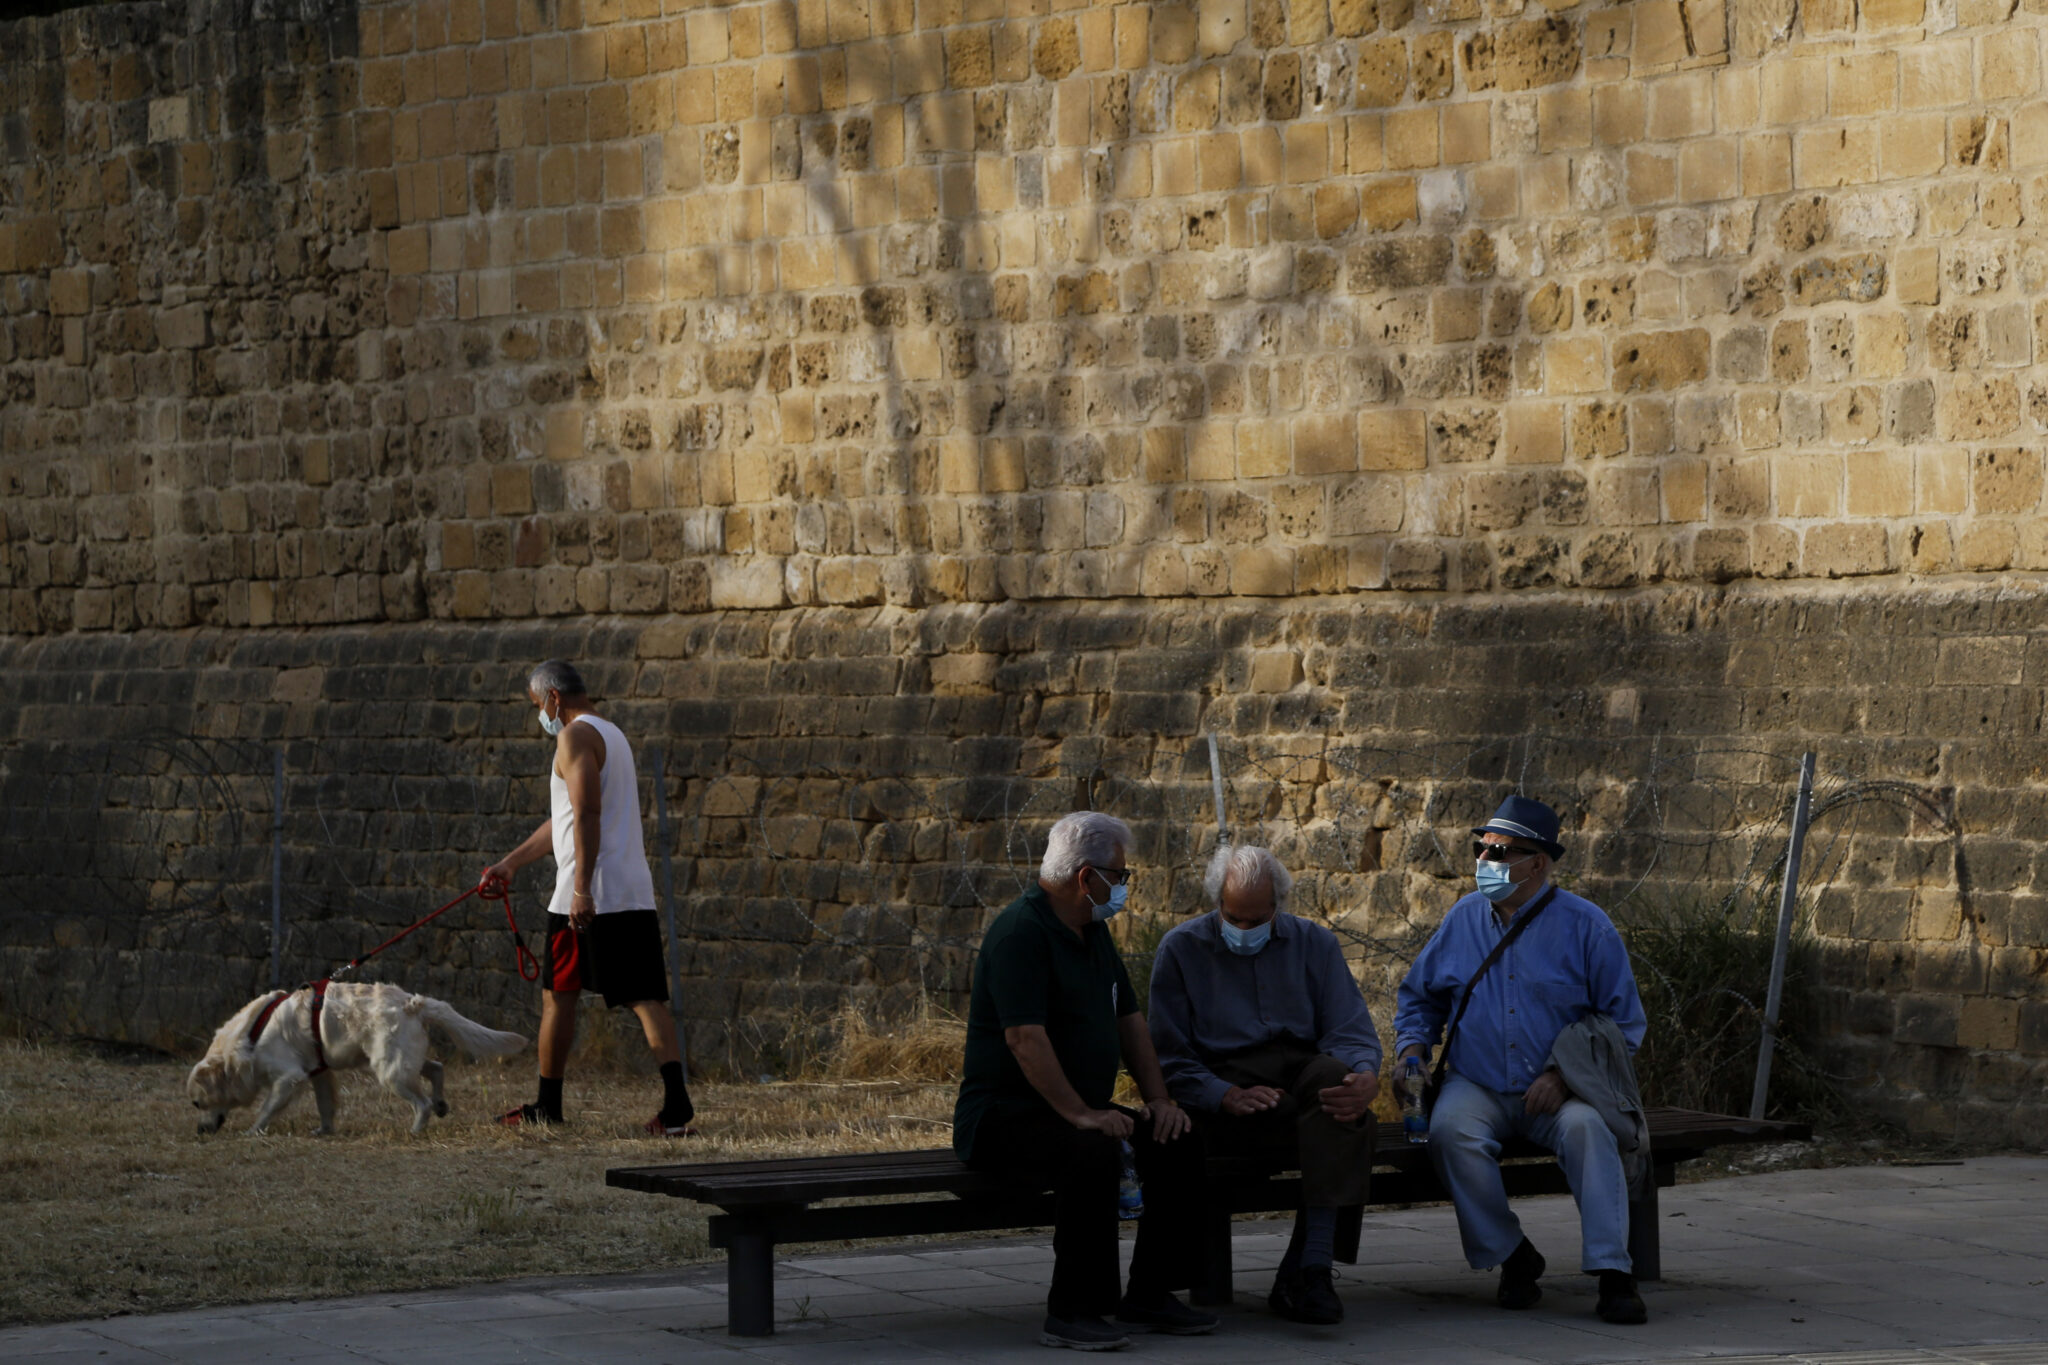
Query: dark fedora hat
[(1523, 818)]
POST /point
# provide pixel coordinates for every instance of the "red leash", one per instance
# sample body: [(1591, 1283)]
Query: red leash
[(486, 889)]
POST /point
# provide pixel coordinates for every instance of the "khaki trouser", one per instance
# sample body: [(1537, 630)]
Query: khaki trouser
[(1335, 1159)]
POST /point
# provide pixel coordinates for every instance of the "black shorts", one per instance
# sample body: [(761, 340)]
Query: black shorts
[(619, 956)]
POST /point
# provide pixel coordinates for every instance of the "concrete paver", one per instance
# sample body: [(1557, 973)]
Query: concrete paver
[(1938, 1265)]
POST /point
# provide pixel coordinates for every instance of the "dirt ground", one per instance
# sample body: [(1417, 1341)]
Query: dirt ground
[(117, 1205)]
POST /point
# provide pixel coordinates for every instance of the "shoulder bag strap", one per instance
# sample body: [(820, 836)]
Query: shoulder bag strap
[(1522, 921)]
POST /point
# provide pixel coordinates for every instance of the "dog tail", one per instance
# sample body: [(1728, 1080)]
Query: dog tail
[(471, 1036)]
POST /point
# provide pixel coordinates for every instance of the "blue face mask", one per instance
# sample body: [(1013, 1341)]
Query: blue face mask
[(1494, 882), (1245, 942), (1118, 894), (552, 725)]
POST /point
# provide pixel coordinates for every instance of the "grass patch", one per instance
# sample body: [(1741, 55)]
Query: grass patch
[(116, 1205)]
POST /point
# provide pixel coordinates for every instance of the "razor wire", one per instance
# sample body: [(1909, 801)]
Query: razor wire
[(805, 889)]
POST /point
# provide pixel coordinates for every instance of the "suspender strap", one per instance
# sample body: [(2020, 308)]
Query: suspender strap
[(1521, 922)]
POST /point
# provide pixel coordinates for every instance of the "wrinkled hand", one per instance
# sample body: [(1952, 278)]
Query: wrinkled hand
[(495, 878), (1112, 1122), (1169, 1120), (1241, 1101), (1545, 1095), (1351, 1099)]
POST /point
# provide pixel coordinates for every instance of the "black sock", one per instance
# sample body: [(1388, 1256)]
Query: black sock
[(676, 1109), (550, 1098), (1290, 1263)]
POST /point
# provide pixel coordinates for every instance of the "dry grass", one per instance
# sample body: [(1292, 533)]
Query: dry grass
[(928, 1046), (117, 1205)]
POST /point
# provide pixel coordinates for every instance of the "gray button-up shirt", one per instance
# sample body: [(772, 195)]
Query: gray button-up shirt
[(1208, 1001)]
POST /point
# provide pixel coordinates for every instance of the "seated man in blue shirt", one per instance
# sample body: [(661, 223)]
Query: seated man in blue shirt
[(1051, 1020), (1260, 1027), (1566, 964)]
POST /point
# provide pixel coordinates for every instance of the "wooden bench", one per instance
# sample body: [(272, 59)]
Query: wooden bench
[(770, 1203)]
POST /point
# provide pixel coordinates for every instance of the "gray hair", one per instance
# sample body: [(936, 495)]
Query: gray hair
[(1247, 865), (1085, 837), (556, 675)]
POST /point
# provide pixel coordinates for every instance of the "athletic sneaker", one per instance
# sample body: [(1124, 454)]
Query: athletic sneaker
[(527, 1114), (659, 1127), (1082, 1334)]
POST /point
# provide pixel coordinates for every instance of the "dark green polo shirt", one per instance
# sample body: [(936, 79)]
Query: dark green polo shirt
[(1035, 970)]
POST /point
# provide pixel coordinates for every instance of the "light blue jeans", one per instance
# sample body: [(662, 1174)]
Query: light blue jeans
[(1466, 1129)]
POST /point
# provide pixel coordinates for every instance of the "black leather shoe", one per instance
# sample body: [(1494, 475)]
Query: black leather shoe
[(1285, 1297), (1166, 1315), (1518, 1276), (1619, 1301), (1082, 1334), (1319, 1301)]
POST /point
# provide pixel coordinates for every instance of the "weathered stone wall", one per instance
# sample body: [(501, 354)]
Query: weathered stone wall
[(536, 307), (854, 789), (937, 392)]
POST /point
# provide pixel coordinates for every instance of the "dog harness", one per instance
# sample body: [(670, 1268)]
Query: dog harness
[(319, 989)]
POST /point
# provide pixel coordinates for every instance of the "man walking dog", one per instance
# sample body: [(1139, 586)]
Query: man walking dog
[(602, 932)]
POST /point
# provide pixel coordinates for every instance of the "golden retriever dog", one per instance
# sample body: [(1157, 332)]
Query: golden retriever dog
[(375, 1025)]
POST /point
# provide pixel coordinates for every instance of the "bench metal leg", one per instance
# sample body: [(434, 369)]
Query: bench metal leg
[(1216, 1286), (750, 1285), (1644, 1252)]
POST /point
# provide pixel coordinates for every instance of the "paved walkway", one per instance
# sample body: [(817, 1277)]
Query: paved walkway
[(1866, 1266)]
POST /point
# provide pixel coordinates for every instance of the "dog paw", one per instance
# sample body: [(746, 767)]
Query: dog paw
[(440, 1109)]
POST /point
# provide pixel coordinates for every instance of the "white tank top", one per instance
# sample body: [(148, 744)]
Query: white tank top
[(621, 880)]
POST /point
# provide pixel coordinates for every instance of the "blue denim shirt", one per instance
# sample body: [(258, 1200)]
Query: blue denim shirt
[(1570, 962), (1208, 1001)]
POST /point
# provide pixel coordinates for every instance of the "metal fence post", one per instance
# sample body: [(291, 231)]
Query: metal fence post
[(668, 901), (277, 868), (1788, 897)]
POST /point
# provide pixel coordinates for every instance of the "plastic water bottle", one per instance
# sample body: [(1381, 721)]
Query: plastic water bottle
[(1130, 1195), (1414, 1118)]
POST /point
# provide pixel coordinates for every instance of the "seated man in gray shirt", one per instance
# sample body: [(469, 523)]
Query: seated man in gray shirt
[(1258, 1022)]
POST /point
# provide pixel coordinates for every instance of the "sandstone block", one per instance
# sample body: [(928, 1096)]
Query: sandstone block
[(1391, 439), (1275, 670), (1974, 408), (1660, 360), (2007, 480), (1535, 53), (1535, 432), (1262, 571), (747, 584), (1857, 279), (1845, 551)]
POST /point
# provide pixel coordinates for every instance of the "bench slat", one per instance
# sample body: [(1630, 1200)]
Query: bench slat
[(1675, 1134)]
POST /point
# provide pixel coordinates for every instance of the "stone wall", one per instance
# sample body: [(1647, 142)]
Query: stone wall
[(957, 390), (526, 308), (854, 790)]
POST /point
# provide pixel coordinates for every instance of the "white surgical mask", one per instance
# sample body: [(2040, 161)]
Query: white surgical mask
[(1245, 942)]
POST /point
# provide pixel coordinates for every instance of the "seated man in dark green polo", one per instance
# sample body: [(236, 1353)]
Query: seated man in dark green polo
[(1051, 1018)]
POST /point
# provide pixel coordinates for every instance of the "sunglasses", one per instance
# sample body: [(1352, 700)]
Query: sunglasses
[(1501, 853), (1115, 876)]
